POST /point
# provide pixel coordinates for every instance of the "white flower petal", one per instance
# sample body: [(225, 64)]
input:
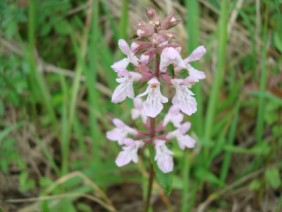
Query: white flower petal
[(120, 66), (163, 156), (124, 47), (196, 54), (194, 74), (138, 110), (183, 98), (174, 116), (172, 56), (184, 141), (154, 102), (123, 90), (121, 132), (129, 152)]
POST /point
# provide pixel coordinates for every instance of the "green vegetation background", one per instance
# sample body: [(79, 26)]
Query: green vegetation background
[(55, 89)]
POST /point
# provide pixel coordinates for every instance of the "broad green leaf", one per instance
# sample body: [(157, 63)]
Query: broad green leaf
[(254, 185), (272, 177)]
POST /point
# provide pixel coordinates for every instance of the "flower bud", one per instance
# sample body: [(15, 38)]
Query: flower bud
[(170, 21), (139, 46), (154, 18), (144, 30), (167, 35), (147, 56), (151, 13), (157, 39)]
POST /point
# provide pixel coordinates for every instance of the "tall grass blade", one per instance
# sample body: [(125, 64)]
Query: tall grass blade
[(192, 27), (123, 20), (39, 89), (221, 60)]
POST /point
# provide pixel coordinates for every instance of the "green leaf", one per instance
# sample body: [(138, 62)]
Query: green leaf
[(255, 185), (272, 177), (206, 175), (278, 41), (164, 179), (171, 70), (61, 27), (83, 207)]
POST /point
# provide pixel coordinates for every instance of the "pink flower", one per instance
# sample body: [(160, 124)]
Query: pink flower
[(154, 102), (129, 152), (196, 55), (125, 88), (194, 74), (183, 97), (120, 132), (121, 65), (172, 56), (184, 141), (138, 111), (163, 156), (174, 116)]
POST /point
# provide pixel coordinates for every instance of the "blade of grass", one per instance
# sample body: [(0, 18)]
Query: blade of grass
[(192, 6), (261, 102), (123, 20), (6, 131), (91, 75), (64, 125), (111, 21), (39, 89), (47, 154), (78, 131), (106, 57), (221, 56), (72, 104), (186, 183), (268, 96), (192, 27), (254, 54), (231, 137)]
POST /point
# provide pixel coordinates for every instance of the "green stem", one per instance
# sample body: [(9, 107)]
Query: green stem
[(152, 136), (186, 183), (150, 186)]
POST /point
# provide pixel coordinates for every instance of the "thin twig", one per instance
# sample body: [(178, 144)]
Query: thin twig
[(61, 196), (234, 15)]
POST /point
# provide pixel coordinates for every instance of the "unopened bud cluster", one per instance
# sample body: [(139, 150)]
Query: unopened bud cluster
[(156, 60)]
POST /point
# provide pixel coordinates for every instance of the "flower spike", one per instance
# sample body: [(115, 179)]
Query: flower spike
[(156, 62)]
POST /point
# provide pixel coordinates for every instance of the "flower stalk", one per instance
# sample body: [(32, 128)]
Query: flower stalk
[(150, 186)]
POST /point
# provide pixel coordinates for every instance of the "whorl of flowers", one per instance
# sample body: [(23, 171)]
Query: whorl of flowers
[(156, 60)]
